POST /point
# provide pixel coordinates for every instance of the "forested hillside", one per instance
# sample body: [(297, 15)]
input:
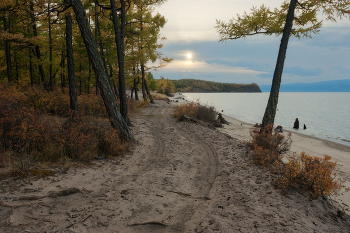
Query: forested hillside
[(193, 85)]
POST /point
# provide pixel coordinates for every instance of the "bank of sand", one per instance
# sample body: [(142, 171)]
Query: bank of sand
[(300, 143), (178, 177), (308, 144)]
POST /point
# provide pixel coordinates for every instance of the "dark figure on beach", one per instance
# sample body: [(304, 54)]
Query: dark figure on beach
[(304, 126), (296, 124)]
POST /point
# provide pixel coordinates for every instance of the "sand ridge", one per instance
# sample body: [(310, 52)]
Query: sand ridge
[(179, 177)]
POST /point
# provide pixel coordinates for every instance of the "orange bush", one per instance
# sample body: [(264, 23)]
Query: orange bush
[(268, 145), (311, 174), (188, 109), (196, 111), (144, 103)]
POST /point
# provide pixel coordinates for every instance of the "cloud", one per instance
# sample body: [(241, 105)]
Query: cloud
[(324, 57), (190, 66), (194, 20)]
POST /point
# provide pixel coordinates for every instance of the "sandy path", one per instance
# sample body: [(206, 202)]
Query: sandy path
[(180, 177)]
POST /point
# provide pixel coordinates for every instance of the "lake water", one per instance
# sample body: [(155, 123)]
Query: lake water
[(325, 114)]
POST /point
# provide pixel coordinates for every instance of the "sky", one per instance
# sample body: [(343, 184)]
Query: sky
[(190, 30)]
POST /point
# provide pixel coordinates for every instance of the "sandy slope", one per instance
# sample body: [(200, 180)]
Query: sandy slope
[(310, 145), (180, 177)]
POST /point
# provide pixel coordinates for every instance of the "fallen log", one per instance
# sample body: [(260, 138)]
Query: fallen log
[(188, 119)]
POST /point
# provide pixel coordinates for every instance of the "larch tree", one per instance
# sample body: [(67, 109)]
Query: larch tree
[(148, 41), (37, 48), (7, 52), (116, 118), (119, 31), (70, 64), (297, 18)]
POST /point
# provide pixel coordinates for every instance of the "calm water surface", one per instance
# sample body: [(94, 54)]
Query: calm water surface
[(325, 114)]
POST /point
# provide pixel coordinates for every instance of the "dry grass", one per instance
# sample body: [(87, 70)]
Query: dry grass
[(37, 127), (196, 111), (302, 173), (158, 96)]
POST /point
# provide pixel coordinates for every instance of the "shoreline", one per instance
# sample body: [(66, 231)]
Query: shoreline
[(311, 145), (320, 128)]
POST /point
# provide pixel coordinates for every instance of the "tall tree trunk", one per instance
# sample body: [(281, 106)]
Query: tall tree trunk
[(144, 96), (115, 90), (89, 77), (108, 97), (80, 81), (135, 87), (119, 39), (70, 64), (17, 67), (62, 65), (148, 93), (96, 35), (50, 46), (270, 112), (102, 51), (8, 54), (142, 62), (37, 48), (31, 67)]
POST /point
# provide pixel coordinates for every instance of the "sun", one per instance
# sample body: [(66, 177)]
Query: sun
[(188, 55)]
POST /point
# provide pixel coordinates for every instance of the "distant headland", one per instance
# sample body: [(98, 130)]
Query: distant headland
[(325, 86), (201, 86)]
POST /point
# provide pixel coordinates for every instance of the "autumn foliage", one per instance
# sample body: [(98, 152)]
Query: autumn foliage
[(36, 127), (268, 145), (313, 175), (196, 111)]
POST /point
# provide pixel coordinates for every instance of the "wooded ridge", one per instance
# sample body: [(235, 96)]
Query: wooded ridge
[(193, 85)]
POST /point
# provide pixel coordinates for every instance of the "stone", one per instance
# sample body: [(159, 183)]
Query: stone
[(279, 129)]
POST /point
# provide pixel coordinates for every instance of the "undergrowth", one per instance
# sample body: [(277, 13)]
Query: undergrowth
[(37, 127), (307, 173)]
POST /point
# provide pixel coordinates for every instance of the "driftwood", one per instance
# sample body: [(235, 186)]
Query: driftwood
[(188, 119), (203, 123)]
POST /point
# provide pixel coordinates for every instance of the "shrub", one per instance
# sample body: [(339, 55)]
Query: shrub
[(268, 145), (109, 142), (311, 174), (144, 103), (91, 105), (188, 109), (196, 111), (207, 114), (132, 105), (303, 173), (28, 135)]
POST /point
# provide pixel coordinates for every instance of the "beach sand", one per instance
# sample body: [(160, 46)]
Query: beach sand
[(310, 145), (178, 177)]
